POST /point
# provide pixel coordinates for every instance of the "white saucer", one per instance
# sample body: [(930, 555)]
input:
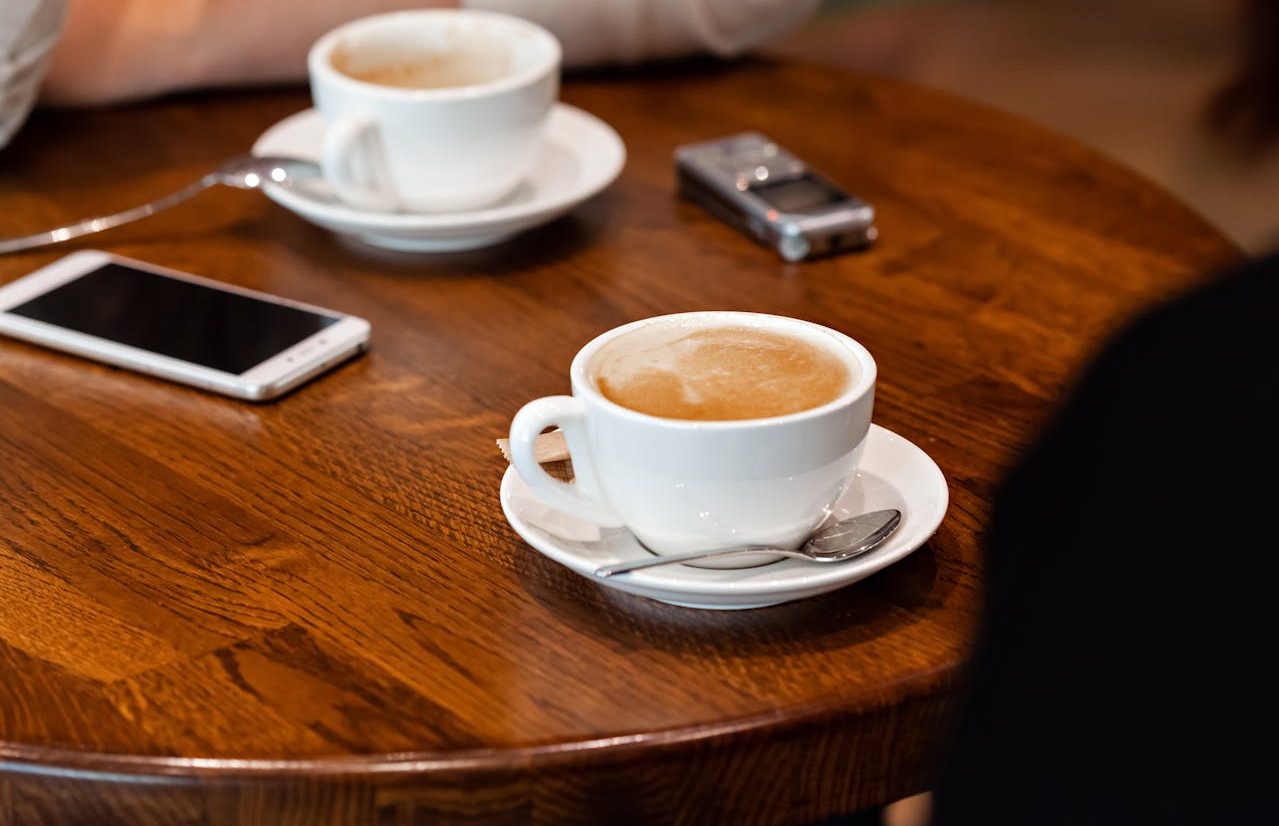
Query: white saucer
[(894, 474), (582, 155)]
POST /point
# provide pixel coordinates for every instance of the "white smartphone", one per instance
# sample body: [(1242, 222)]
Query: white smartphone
[(177, 326)]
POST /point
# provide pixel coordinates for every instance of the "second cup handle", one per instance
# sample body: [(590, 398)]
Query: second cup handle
[(355, 164), (583, 498)]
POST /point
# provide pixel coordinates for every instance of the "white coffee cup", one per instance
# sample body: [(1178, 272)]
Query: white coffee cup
[(684, 485), (433, 148)]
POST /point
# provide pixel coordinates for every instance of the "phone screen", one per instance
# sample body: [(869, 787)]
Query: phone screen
[(181, 319)]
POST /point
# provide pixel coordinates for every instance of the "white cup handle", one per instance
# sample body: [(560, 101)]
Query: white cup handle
[(583, 498), (355, 164)]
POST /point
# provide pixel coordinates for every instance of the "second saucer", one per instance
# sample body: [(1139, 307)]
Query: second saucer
[(581, 156)]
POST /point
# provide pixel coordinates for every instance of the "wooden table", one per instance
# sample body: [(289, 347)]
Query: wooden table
[(313, 610)]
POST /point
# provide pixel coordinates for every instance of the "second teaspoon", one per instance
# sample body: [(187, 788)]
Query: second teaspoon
[(241, 172), (836, 542)]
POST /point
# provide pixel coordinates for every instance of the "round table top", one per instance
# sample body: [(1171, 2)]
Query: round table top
[(325, 586)]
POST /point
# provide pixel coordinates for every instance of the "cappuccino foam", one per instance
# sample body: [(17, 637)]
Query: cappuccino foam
[(717, 373), (433, 70)]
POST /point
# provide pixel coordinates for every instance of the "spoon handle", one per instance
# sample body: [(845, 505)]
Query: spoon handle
[(92, 225), (836, 542), (635, 565)]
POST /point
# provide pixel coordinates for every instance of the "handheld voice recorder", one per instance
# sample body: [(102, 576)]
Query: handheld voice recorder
[(753, 184)]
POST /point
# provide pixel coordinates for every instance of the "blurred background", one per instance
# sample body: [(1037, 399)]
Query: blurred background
[(1131, 78)]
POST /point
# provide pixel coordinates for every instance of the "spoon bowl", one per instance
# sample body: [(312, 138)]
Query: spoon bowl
[(251, 172)]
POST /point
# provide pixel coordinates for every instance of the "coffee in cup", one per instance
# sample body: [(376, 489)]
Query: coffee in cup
[(707, 430), (433, 110), (466, 64), (717, 373)]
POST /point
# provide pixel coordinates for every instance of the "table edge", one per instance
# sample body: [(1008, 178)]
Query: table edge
[(19, 758)]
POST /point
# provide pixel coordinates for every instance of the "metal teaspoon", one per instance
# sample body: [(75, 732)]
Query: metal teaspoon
[(837, 542), (241, 172)]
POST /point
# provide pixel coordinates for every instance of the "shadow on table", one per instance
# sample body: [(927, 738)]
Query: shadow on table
[(562, 238), (875, 607)]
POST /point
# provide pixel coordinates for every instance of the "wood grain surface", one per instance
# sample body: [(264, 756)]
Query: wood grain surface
[(313, 610)]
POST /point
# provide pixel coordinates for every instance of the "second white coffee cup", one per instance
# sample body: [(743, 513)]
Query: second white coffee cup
[(432, 110)]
